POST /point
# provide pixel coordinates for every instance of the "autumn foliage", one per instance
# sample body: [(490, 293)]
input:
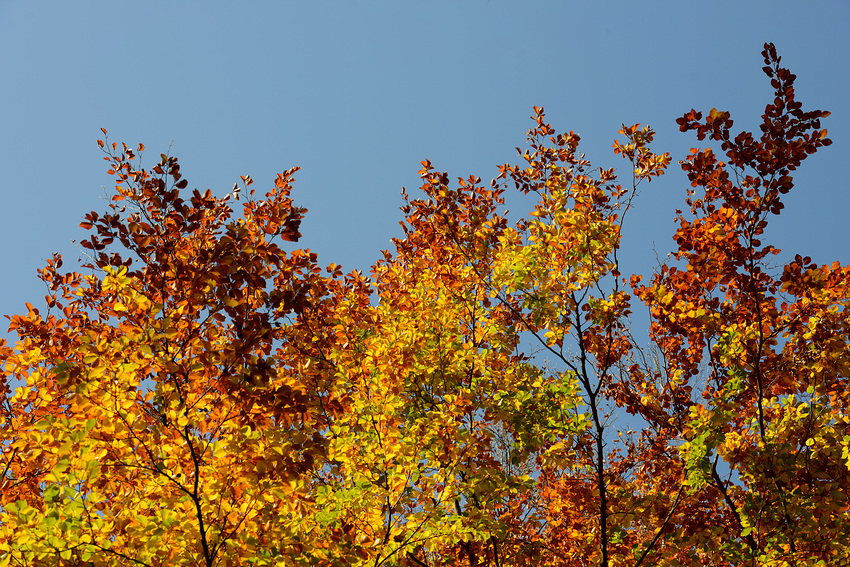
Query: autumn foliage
[(210, 394)]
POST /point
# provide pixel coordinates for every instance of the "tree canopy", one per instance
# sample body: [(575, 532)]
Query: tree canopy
[(210, 394)]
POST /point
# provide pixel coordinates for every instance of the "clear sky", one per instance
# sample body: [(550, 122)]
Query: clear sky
[(357, 93)]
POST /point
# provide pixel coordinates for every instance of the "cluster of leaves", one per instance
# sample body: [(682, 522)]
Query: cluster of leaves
[(207, 397)]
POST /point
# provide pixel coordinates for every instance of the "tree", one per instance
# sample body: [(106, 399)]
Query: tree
[(209, 394)]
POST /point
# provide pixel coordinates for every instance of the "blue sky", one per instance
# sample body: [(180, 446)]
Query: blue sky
[(357, 93)]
